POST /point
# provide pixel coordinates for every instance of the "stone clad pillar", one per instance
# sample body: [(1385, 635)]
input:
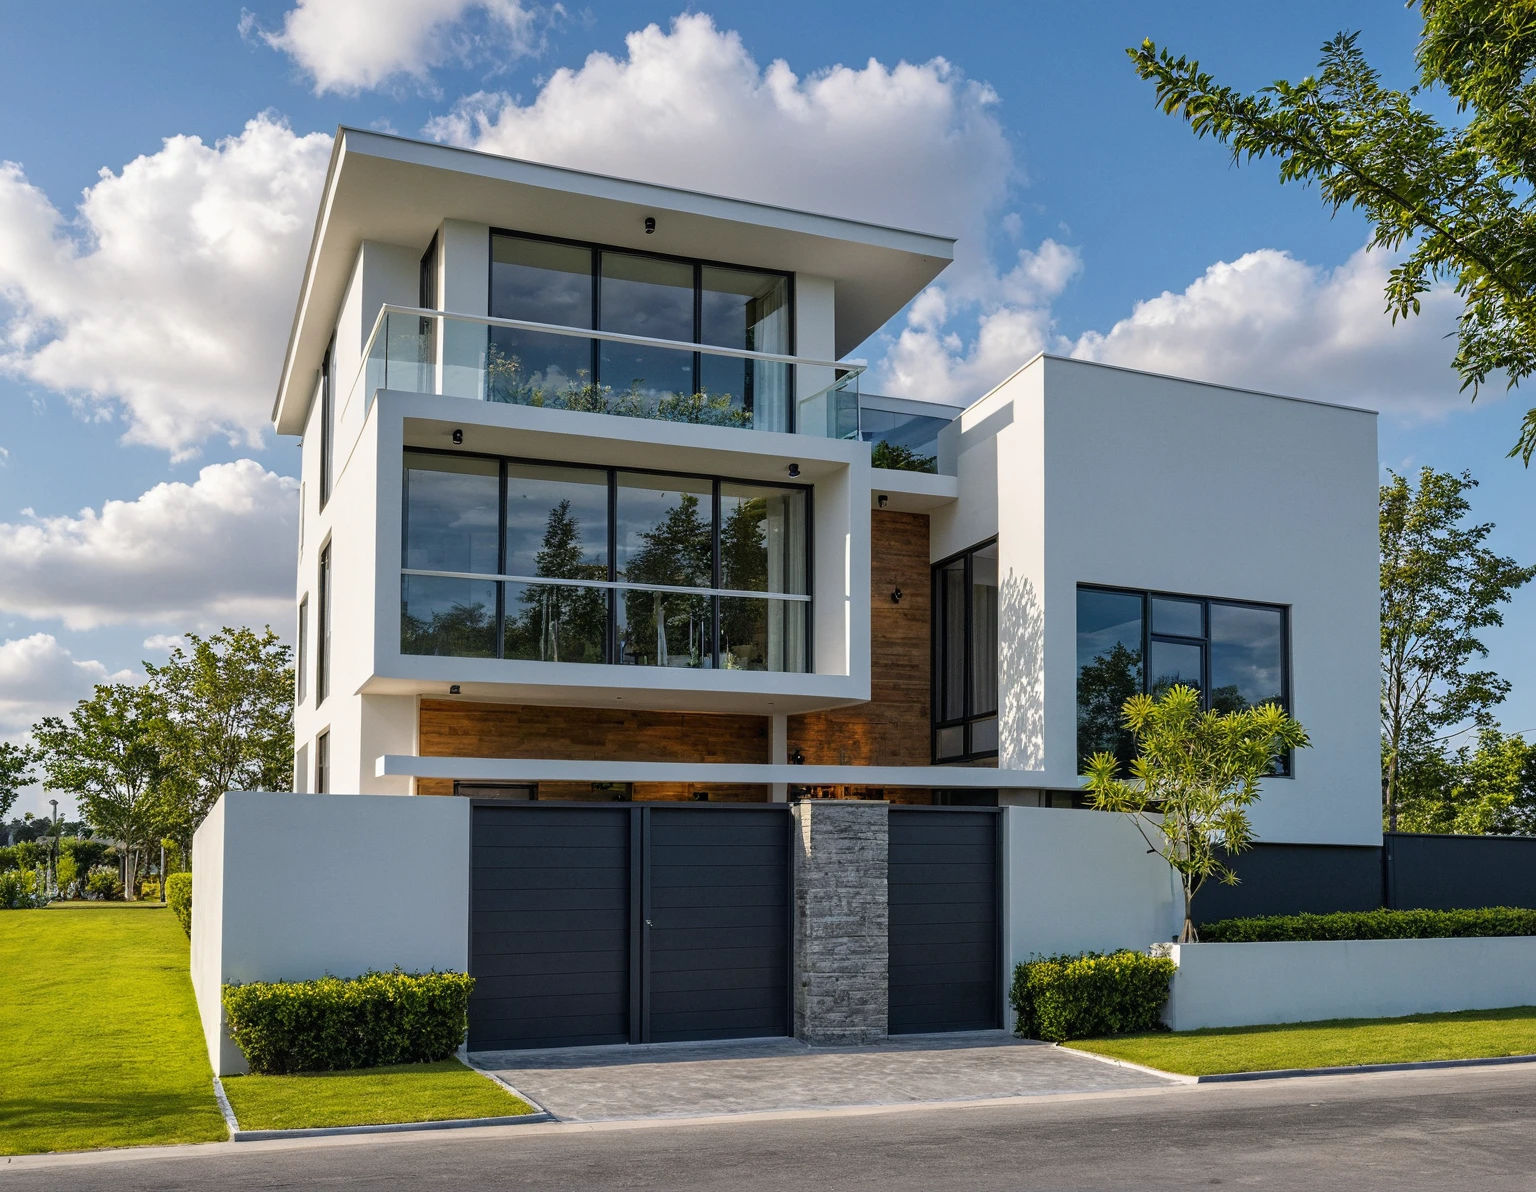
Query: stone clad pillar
[(842, 921)]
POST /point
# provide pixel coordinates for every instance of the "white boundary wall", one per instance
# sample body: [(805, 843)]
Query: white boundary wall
[(1253, 984), (1078, 881), (291, 887)]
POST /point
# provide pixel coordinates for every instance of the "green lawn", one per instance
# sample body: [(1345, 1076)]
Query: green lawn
[(100, 1043), (403, 1093), (1468, 1034)]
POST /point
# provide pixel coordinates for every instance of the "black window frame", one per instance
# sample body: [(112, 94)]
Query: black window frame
[(610, 646), (325, 598), (327, 419), (699, 264), (323, 762), (1147, 595), (971, 717), (301, 654)]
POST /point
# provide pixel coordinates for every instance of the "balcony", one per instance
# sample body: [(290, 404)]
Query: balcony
[(517, 362)]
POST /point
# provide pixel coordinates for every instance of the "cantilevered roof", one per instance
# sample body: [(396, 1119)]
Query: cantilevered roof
[(398, 191)]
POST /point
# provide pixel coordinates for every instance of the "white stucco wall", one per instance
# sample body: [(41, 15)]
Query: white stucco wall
[(1254, 984), (1125, 479), (1079, 881), (290, 887)]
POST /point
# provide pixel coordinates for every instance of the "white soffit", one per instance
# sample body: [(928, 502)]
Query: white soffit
[(398, 191)]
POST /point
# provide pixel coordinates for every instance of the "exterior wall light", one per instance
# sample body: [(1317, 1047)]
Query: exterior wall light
[(896, 596), (453, 689), (458, 437), (794, 469), (882, 500), (650, 224), (797, 758)]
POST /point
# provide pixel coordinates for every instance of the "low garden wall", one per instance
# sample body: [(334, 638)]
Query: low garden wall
[(1259, 983)]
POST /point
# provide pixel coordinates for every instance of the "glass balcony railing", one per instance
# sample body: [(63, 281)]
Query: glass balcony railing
[(516, 362)]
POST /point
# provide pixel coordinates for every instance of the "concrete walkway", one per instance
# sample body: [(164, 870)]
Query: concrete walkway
[(593, 1084)]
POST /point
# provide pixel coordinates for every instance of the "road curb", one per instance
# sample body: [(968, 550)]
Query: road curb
[(1297, 1073)]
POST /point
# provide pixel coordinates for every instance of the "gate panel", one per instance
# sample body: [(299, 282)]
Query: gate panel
[(550, 922), (945, 920), (717, 961)]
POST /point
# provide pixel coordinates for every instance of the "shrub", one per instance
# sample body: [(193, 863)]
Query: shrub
[(334, 1024), (1373, 925), (1057, 998), (149, 890), (67, 875), (20, 890), (178, 893), (103, 882)]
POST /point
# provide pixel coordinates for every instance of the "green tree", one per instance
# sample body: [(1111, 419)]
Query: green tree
[(1489, 789), (110, 755), (1440, 586), (18, 764), (1460, 198), (1103, 686), (561, 623), (901, 458), (1194, 777), (228, 719), (678, 551)]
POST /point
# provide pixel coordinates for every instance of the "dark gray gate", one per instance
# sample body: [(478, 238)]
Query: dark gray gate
[(628, 923), (946, 922)]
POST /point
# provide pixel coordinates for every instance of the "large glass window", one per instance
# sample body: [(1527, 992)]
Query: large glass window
[(301, 653), (583, 286), (965, 662), (557, 563), (1130, 642), (323, 629)]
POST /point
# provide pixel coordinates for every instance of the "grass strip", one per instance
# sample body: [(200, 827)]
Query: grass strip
[(100, 1042), (1463, 1035), (369, 1097)]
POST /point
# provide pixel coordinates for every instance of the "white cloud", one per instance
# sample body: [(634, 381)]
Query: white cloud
[(1268, 321), (928, 362), (351, 45), (39, 677), (164, 641), (218, 550), (916, 146), (168, 297)]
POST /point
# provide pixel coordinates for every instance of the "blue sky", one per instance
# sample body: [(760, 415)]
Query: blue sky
[(139, 494)]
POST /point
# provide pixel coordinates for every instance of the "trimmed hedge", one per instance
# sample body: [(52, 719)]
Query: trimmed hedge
[(1372, 925), (178, 896), (1057, 998), (335, 1024)]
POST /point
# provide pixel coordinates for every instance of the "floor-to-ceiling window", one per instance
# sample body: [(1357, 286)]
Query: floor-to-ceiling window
[(323, 628), (588, 287), (965, 655), (1235, 653), (554, 562)]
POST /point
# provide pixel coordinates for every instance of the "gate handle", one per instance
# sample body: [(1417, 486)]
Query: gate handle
[(647, 922)]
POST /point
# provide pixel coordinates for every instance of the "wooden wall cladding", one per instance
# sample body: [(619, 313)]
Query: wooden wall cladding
[(893, 728), (454, 728)]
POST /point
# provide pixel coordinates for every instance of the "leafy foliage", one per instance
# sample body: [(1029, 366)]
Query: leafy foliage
[(334, 1024), (1373, 925), (109, 753), (1440, 586), (178, 896), (1195, 775), (1057, 998), (17, 769), (1486, 790), (901, 458), (1459, 198), (21, 890)]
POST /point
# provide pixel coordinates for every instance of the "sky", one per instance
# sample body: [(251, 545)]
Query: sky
[(162, 162)]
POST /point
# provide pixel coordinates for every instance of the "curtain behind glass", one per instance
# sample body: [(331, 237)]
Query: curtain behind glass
[(742, 308)]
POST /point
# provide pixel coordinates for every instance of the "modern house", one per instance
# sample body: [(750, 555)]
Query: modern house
[(592, 538)]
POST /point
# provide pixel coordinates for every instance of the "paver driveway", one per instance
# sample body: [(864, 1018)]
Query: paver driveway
[(689, 1079)]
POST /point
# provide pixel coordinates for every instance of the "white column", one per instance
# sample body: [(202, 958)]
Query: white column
[(778, 755)]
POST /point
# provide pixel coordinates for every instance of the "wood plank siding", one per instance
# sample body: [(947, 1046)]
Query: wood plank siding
[(454, 728), (893, 728)]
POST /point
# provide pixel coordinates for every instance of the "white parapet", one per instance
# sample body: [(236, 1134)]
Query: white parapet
[(1254, 984), (289, 887)]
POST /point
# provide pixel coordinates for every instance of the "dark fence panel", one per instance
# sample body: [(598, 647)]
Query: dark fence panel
[(1450, 872), (1289, 879)]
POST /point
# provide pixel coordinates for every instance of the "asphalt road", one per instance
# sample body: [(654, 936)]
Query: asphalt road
[(1456, 1129)]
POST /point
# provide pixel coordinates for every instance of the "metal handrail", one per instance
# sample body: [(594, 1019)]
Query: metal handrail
[(550, 581)]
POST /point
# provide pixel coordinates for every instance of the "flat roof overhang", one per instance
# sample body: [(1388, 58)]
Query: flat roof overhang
[(398, 191), (500, 769)]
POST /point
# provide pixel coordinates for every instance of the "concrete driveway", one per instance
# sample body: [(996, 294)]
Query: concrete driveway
[(594, 1084)]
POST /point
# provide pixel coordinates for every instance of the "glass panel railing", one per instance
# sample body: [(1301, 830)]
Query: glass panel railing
[(458, 615), (533, 364)]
